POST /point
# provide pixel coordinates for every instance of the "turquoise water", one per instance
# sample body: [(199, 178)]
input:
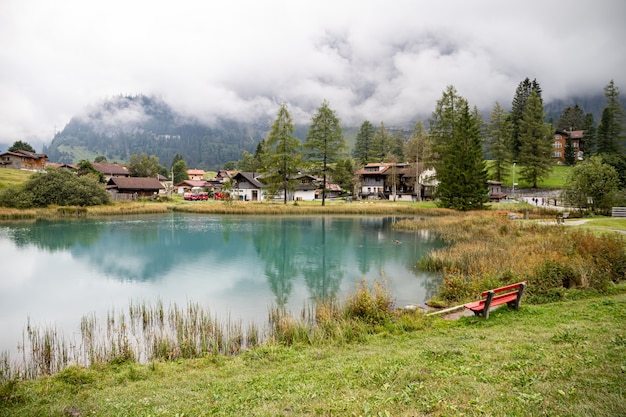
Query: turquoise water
[(54, 273)]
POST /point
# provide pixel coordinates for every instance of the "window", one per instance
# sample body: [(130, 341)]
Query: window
[(557, 154), (558, 145)]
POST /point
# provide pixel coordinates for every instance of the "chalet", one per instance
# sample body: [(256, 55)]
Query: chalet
[(23, 160), (559, 143), (69, 167), (187, 186), (133, 187), (195, 174), (306, 188), (111, 170), (387, 180), (247, 186)]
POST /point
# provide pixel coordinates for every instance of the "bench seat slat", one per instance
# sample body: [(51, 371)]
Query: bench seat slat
[(497, 300)]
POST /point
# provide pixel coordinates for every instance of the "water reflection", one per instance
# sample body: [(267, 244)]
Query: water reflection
[(230, 263)]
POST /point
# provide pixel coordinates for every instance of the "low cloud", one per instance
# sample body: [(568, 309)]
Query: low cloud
[(370, 59)]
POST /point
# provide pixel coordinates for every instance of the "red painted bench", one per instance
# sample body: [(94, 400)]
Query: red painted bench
[(511, 295)]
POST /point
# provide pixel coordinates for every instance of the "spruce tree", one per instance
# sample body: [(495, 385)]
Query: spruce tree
[(363, 146), (383, 145), (523, 91), (611, 126), (536, 142), (324, 144), (572, 118), (459, 162)]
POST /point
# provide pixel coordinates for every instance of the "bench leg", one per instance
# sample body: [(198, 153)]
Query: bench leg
[(488, 304), (518, 300)]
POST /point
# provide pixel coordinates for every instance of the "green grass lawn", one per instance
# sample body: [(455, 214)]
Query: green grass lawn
[(566, 358), (10, 176), (607, 223), (556, 178)]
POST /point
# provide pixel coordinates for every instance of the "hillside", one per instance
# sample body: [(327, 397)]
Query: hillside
[(127, 125)]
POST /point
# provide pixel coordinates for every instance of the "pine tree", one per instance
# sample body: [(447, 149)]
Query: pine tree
[(383, 144), (460, 164), (569, 154), (589, 145), (611, 126), (523, 91), (536, 140), (324, 144), (282, 155), (363, 146), (498, 141), (572, 118)]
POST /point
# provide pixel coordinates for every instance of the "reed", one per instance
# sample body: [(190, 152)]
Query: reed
[(487, 250)]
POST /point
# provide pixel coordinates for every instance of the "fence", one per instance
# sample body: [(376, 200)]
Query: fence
[(618, 212)]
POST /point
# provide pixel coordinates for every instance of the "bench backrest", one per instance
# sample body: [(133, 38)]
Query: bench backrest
[(502, 289)]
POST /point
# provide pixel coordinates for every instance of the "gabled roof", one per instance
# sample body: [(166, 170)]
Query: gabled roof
[(27, 154), (249, 177), (192, 183), (110, 169), (195, 172), (134, 183)]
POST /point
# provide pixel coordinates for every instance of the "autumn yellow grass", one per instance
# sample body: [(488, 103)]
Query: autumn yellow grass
[(487, 250)]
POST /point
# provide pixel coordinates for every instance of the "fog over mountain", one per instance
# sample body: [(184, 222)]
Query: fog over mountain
[(238, 60)]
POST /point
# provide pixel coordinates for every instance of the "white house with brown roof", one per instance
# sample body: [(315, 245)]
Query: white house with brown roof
[(133, 187)]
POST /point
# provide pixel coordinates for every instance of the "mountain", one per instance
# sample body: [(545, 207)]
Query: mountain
[(126, 125)]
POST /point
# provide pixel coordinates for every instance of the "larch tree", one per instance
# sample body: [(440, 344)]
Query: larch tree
[(536, 139), (324, 144), (498, 142), (281, 155), (459, 161), (418, 150), (363, 145)]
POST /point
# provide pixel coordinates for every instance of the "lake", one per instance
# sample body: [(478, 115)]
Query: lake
[(55, 272)]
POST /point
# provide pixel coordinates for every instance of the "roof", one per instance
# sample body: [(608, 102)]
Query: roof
[(110, 169), (135, 183), (192, 183), (27, 154), (249, 177), (195, 172)]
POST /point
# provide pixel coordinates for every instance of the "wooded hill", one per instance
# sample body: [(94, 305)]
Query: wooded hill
[(126, 125)]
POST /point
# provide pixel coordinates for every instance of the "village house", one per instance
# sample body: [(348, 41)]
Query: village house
[(559, 143), (111, 170), (190, 186), (247, 186), (23, 160), (132, 188), (395, 181), (195, 174)]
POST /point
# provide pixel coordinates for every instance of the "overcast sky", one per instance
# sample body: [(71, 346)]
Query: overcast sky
[(372, 60)]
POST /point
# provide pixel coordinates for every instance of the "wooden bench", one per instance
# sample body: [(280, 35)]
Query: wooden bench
[(560, 218), (511, 295)]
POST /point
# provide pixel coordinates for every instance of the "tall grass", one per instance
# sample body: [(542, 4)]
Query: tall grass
[(147, 332), (144, 332), (488, 250)]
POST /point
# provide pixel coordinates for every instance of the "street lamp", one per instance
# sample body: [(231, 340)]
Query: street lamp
[(514, 163)]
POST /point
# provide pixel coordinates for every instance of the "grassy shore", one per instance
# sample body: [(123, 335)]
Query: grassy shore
[(565, 358)]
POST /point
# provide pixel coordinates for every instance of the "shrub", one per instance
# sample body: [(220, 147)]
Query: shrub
[(56, 187)]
